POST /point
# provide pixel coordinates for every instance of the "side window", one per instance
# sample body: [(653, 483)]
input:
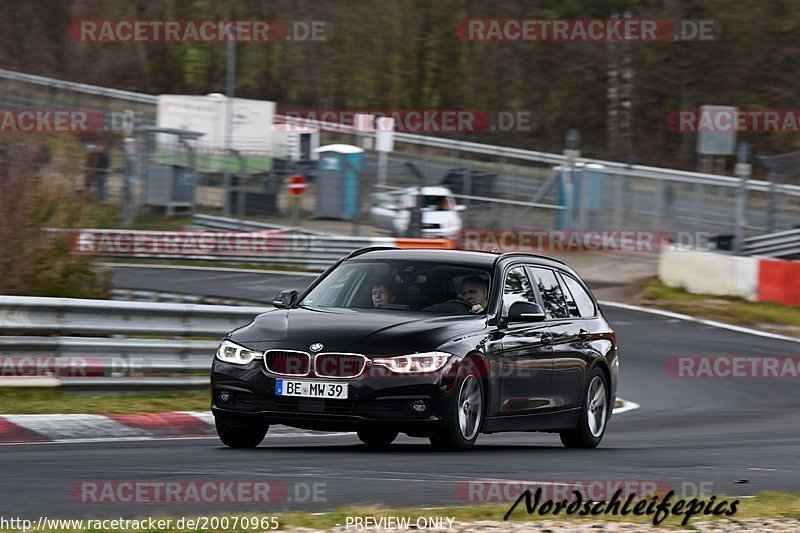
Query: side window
[(583, 301), (517, 288), (555, 306), (572, 307)]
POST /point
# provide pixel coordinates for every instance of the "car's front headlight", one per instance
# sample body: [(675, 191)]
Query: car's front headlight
[(230, 352), (414, 363)]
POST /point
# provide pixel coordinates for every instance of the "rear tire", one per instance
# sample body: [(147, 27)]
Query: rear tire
[(593, 416), (466, 416), (239, 434), (377, 437)]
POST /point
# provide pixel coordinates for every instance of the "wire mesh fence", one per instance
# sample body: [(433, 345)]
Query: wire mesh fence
[(500, 187)]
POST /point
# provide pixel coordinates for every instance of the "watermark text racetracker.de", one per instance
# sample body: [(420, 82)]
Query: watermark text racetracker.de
[(505, 490), (64, 121), (187, 243), (198, 31), (202, 492), (72, 366), (411, 120), (586, 30), (625, 240), (562, 240), (728, 120), (734, 366)]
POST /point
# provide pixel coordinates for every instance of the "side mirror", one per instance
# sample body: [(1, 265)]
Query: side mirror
[(461, 207), (525, 312), (285, 298)]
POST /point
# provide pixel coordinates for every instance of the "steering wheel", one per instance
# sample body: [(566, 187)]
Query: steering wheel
[(466, 304)]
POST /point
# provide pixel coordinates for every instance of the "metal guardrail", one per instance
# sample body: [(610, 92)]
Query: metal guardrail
[(779, 244), (75, 316), (133, 295), (29, 358), (79, 87), (237, 224), (118, 355)]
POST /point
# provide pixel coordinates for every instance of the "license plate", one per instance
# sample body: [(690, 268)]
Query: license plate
[(311, 389)]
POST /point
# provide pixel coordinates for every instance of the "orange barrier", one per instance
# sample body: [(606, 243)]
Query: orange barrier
[(779, 282), (442, 244)]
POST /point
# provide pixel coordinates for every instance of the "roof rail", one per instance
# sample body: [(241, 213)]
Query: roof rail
[(360, 251), (527, 254)]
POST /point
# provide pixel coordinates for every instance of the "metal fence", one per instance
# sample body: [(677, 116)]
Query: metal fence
[(75, 342), (503, 187)]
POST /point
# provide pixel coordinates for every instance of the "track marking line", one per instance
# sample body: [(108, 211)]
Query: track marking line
[(627, 405), (688, 318)]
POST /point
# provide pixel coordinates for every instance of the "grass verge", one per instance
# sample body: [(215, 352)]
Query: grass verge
[(48, 401), (723, 308)]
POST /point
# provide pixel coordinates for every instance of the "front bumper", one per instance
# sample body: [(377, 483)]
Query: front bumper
[(382, 399)]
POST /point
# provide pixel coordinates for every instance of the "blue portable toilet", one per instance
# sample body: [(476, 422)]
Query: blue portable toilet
[(587, 196), (338, 175)]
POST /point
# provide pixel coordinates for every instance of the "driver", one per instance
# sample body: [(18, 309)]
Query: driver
[(475, 290)]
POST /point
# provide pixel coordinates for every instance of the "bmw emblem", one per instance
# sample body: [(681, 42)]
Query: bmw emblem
[(317, 346)]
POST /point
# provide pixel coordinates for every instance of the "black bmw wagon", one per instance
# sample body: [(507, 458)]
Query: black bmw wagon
[(437, 344)]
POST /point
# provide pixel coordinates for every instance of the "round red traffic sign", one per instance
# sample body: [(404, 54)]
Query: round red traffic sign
[(297, 185)]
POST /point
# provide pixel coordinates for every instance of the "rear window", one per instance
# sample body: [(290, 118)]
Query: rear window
[(583, 301), (555, 306)]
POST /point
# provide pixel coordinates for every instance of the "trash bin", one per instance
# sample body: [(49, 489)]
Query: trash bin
[(586, 205)]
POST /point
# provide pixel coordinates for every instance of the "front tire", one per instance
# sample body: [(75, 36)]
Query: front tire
[(235, 434), (594, 414), (466, 416), (377, 437)]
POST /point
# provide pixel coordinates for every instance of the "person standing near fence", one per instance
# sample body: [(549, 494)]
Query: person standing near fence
[(97, 163)]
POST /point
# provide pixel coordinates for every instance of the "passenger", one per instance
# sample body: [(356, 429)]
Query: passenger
[(381, 294), (475, 290)]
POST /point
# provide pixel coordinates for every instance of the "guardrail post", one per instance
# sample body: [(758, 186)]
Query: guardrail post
[(773, 176)]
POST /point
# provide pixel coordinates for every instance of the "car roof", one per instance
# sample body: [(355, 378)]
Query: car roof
[(460, 257)]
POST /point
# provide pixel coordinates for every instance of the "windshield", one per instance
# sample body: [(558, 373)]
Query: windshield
[(436, 203), (413, 286)]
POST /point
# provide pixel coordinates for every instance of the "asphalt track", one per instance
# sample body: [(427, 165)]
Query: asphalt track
[(728, 436)]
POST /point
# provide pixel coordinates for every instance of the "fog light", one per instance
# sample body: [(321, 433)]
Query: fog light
[(224, 396), (419, 406)]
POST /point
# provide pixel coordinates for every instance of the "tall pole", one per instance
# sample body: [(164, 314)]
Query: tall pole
[(229, 92), (743, 170), (571, 153)]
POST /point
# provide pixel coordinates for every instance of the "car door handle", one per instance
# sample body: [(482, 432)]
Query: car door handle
[(583, 334), (546, 338)]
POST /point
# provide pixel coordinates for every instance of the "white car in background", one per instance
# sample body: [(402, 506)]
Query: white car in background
[(391, 212)]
